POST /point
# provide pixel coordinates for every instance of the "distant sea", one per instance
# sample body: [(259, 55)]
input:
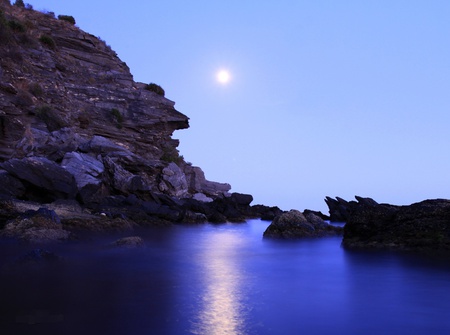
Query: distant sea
[(222, 279)]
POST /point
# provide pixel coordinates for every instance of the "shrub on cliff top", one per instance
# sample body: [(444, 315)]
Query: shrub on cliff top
[(19, 3), (155, 88), (67, 18)]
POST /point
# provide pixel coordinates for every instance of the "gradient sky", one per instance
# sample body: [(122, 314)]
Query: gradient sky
[(336, 98)]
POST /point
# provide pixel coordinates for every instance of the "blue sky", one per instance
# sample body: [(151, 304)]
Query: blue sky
[(336, 98)]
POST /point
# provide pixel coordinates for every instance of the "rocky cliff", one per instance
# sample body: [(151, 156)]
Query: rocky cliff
[(75, 126)]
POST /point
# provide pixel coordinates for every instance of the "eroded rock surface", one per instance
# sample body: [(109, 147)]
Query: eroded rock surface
[(75, 125)]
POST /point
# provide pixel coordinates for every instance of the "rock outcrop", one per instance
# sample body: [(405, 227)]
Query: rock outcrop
[(295, 224), (75, 126), (67, 98), (421, 226), (339, 208)]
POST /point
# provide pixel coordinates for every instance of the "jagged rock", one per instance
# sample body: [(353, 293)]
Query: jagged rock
[(201, 197), (52, 145), (366, 201), (241, 199), (43, 174), (174, 181), (339, 209), (266, 213), (423, 225), (294, 224), (86, 169), (121, 179), (197, 182)]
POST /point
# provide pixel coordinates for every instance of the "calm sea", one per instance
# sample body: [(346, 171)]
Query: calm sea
[(222, 279)]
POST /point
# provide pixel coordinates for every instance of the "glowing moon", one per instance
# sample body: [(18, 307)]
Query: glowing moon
[(223, 76)]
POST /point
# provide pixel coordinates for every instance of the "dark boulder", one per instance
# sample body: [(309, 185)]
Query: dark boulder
[(241, 199), (294, 224), (50, 181), (266, 213)]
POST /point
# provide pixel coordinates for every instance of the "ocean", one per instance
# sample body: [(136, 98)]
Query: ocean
[(221, 279)]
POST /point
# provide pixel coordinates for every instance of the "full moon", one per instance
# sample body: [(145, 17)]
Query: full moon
[(223, 76)]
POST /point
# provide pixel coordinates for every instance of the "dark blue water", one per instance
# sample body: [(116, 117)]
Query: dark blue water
[(223, 279)]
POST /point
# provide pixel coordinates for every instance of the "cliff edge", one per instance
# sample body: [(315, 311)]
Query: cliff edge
[(75, 126)]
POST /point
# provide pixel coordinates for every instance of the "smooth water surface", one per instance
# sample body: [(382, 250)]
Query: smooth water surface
[(222, 279)]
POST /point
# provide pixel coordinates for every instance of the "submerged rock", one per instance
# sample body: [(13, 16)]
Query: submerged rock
[(294, 224), (129, 242)]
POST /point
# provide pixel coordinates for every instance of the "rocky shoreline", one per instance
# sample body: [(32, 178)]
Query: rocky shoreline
[(81, 138), (84, 146)]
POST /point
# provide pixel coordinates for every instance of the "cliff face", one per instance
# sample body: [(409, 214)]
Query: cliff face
[(70, 112)]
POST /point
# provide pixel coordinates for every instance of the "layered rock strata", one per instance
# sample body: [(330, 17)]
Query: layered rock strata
[(76, 127)]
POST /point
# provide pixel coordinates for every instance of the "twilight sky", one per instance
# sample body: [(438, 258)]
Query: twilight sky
[(337, 98)]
